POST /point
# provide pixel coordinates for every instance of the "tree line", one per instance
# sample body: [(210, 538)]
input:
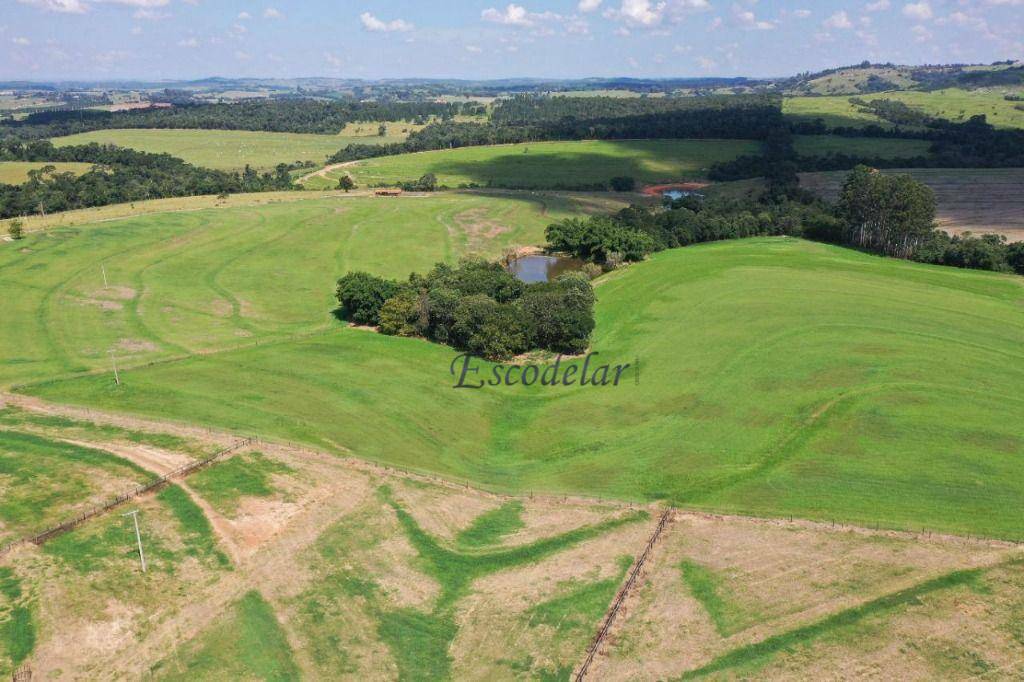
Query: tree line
[(892, 215), (280, 116), (477, 306)]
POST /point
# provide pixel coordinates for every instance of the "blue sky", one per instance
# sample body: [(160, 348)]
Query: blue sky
[(103, 39)]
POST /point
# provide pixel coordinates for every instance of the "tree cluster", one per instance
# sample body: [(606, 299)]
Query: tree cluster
[(888, 214), (634, 232), (477, 306)]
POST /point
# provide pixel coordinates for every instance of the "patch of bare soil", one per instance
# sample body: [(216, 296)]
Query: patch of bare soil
[(221, 308), (478, 227), (102, 304), (136, 346)]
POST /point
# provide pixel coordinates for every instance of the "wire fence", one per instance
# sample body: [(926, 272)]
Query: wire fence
[(634, 575), (70, 524)]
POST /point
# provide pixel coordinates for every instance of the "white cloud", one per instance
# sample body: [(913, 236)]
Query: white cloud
[(242, 56), (272, 13), (474, 49), (802, 13), (589, 5), (136, 31), (20, 40), (188, 42), (921, 34), (65, 6), (706, 63), (242, 16), (879, 6), (918, 10), (333, 60), (150, 14), (639, 12), (838, 20), (513, 15), (748, 20), (372, 23)]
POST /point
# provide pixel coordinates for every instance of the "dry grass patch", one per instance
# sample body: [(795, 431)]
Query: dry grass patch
[(731, 589)]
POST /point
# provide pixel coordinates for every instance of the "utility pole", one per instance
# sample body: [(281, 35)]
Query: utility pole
[(138, 536), (113, 361)]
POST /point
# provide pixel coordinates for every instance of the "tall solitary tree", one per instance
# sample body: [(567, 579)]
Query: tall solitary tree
[(346, 183)]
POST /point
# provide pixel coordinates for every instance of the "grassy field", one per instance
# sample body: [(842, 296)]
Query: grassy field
[(976, 200), (204, 280), (953, 104), (16, 172), (233, 149), (823, 145), (779, 376), (550, 164)]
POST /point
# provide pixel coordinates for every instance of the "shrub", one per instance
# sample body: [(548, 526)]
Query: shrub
[(16, 229), (400, 313), (362, 295), (485, 327)]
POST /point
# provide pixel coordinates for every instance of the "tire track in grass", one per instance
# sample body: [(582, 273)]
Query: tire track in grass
[(48, 312)]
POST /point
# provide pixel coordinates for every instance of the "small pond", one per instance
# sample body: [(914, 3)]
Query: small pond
[(541, 268), (675, 194)]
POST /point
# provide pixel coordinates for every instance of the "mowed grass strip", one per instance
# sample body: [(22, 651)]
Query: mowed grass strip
[(540, 165), (234, 149), (779, 377)]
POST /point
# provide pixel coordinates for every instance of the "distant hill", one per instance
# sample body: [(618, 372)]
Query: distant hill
[(866, 78)]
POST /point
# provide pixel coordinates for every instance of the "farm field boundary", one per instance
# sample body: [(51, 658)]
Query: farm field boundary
[(634, 574)]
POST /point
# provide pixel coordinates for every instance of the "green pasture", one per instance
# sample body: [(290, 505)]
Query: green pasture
[(16, 172), (233, 149), (952, 104), (777, 376), (549, 164), (197, 281)]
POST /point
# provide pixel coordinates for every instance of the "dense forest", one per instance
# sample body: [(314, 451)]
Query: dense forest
[(279, 116)]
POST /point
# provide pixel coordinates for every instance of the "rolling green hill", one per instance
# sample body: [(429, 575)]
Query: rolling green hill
[(777, 376), (953, 104), (233, 149), (549, 164)]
